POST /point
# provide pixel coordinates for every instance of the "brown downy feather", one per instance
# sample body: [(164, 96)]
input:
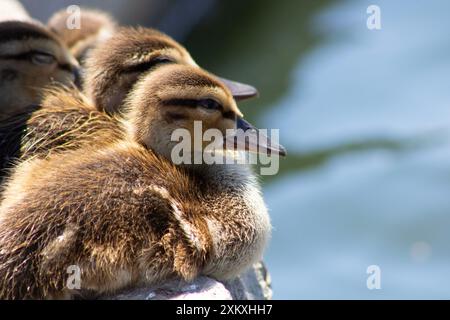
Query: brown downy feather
[(84, 232), (126, 217)]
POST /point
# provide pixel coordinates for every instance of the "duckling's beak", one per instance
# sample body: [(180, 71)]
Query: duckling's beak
[(249, 138), (240, 91)]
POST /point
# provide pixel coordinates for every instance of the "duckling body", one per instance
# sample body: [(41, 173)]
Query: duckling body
[(123, 213), (127, 218)]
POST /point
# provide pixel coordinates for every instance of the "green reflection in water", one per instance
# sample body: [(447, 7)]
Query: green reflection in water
[(256, 41)]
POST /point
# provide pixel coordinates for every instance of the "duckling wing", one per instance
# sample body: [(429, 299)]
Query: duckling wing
[(64, 122), (12, 132), (107, 211)]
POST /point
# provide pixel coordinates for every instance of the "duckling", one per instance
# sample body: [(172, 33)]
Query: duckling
[(95, 27), (31, 58), (123, 212)]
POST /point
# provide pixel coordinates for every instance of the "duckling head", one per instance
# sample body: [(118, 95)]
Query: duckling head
[(116, 66), (31, 58), (177, 96)]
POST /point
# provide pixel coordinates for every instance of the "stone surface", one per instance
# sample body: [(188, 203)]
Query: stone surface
[(255, 284), (251, 285)]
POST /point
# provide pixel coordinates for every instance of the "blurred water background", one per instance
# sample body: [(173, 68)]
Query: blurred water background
[(365, 116)]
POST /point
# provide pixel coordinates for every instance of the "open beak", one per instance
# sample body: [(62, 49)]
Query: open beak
[(249, 138), (240, 91)]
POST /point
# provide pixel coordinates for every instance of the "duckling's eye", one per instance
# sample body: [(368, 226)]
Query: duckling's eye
[(163, 60), (209, 104), (40, 58)]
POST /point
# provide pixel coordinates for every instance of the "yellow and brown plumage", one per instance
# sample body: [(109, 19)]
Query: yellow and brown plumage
[(99, 192)]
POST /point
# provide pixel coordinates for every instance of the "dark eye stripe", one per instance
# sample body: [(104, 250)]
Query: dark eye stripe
[(22, 56), (16, 30), (192, 103), (210, 104), (146, 66)]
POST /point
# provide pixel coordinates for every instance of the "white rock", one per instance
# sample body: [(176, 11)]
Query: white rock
[(252, 285)]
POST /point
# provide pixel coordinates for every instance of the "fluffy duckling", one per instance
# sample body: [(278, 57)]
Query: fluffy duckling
[(95, 27), (31, 58), (123, 212)]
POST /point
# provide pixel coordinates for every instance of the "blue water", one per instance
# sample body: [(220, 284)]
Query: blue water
[(380, 207)]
